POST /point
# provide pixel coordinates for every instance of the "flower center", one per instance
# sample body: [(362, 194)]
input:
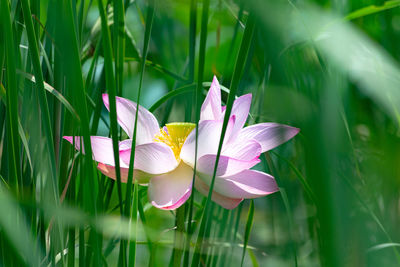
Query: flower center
[(174, 135)]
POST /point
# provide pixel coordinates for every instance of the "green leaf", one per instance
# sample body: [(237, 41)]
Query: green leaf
[(11, 93), (253, 258), (302, 180), (25, 144), (382, 246), (249, 224), (372, 9), (239, 66), (181, 90), (147, 35), (54, 92), (34, 52), (17, 231)]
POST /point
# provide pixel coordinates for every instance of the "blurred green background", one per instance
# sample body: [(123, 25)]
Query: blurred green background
[(329, 68)]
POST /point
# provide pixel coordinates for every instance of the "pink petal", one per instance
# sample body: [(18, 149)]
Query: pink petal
[(125, 144), (102, 148), (269, 135), (126, 113), (246, 184), (211, 108), (169, 191), (240, 110), (109, 171), (208, 140), (247, 149), (226, 165), (225, 202), (152, 158)]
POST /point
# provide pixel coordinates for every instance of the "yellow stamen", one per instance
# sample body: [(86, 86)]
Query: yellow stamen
[(175, 135)]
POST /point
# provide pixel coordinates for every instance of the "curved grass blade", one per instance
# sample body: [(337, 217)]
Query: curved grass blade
[(159, 68), (25, 144), (359, 198), (93, 65), (372, 9), (383, 246), (303, 181), (223, 88), (54, 92), (253, 258), (182, 90), (4, 183), (235, 33), (47, 62), (374, 217), (249, 224)]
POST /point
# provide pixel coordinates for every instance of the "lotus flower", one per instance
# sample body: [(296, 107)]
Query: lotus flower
[(164, 158)]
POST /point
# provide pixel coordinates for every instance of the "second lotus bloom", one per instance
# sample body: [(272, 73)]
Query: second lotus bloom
[(164, 158)]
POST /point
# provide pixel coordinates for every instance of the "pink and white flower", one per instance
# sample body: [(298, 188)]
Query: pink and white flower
[(164, 158)]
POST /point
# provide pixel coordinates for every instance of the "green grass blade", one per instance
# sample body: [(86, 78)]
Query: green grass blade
[(144, 220), (119, 54), (382, 246), (119, 43), (192, 38), (181, 90), (234, 36), (147, 35), (14, 226), (179, 234), (285, 200), (93, 65), (374, 216), (149, 24), (249, 224), (110, 84), (54, 92), (223, 228), (235, 232), (158, 67), (11, 95), (239, 65), (302, 179), (253, 258), (372, 9), (134, 211), (197, 95), (67, 42), (25, 144), (22, 135)]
